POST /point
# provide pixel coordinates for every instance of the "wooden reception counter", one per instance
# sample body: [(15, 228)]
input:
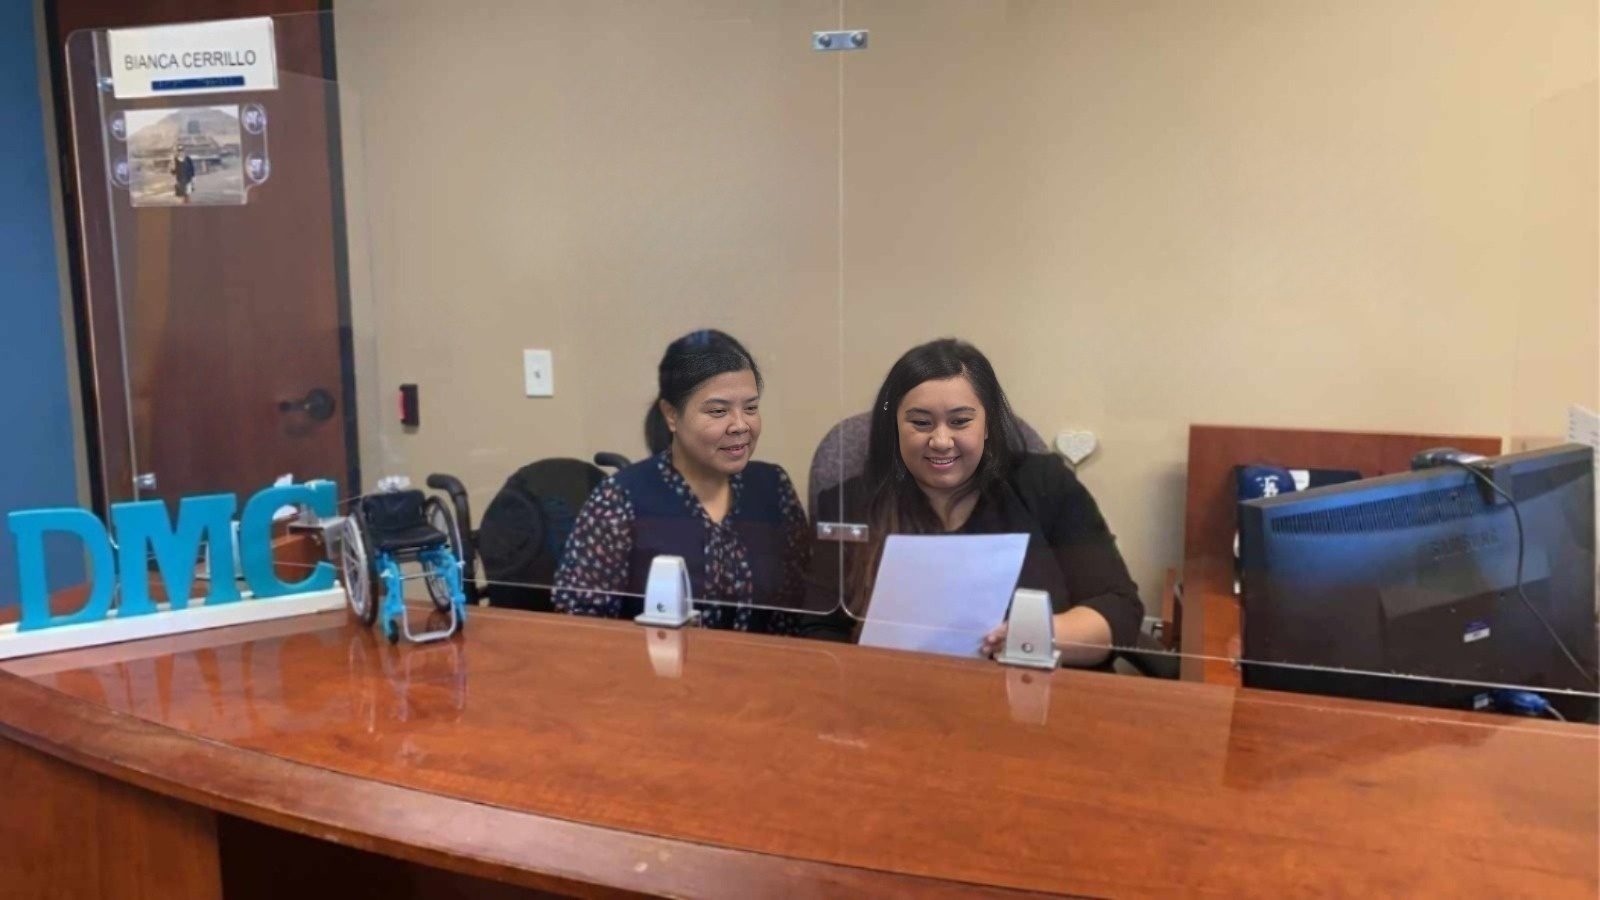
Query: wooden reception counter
[(571, 756)]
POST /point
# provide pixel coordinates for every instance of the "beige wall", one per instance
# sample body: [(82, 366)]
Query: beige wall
[(1377, 215), (595, 179)]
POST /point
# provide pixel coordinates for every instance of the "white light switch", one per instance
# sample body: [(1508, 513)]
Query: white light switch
[(539, 373)]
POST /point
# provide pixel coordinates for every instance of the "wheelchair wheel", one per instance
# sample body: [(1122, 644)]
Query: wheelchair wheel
[(357, 568), (439, 517)]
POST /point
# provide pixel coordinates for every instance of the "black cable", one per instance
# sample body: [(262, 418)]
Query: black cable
[(1521, 547)]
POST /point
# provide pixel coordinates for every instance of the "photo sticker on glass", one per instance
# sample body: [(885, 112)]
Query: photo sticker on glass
[(183, 157)]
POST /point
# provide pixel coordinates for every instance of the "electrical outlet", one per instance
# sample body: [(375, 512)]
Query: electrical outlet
[(539, 373)]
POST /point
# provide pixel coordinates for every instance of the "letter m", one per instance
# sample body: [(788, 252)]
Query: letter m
[(145, 524)]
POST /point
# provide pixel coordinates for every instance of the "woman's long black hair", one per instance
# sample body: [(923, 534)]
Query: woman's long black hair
[(689, 362), (896, 505)]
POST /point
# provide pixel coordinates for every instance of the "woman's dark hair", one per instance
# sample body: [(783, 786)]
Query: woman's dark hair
[(895, 504), (689, 362)]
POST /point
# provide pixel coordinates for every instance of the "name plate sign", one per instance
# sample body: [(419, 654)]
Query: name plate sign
[(198, 58)]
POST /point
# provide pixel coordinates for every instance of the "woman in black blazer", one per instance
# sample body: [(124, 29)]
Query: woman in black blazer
[(945, 457)]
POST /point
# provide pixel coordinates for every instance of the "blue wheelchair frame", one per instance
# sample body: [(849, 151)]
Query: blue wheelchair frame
[(438, 562), (381, 535)]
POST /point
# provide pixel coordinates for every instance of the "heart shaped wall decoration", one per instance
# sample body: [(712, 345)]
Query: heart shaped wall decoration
[(1076, 445)]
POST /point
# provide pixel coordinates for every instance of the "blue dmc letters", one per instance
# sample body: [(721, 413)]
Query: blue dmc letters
[(144, 530)]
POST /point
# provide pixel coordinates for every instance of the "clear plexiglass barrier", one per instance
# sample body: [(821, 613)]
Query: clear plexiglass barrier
[(897, 321)]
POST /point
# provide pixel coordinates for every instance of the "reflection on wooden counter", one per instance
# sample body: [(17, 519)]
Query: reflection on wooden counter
[(557, 749)]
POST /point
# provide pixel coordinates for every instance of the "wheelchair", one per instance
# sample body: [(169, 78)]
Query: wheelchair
[(386, 532)]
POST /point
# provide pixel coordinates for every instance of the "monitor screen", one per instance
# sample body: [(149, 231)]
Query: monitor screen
[(1409, 584)]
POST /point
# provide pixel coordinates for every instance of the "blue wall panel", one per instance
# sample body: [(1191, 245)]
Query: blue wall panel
[(36, 454)]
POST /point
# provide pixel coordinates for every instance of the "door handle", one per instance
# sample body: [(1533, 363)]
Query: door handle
[(317, 403)]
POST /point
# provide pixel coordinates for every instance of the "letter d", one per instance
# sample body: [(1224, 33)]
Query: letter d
[(28, 527)]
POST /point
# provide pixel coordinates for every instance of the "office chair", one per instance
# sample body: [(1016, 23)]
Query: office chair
[(524, 530)]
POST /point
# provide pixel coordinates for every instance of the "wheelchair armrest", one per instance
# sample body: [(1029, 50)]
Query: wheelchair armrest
[(1151, 658), (611, 460)]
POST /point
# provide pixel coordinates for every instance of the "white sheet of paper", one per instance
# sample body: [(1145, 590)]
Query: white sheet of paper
[(942, 593)]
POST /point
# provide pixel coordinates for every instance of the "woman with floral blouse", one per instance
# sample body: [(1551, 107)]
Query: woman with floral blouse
[(737, 523)]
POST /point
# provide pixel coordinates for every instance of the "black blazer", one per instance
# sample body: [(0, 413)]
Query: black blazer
[(1071, 553)]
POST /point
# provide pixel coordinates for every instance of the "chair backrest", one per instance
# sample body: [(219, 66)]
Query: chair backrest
[(394, 512), (842, 455), (524, 530)]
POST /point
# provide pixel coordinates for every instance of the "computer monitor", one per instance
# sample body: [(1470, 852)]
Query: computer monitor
[(1416, 574)]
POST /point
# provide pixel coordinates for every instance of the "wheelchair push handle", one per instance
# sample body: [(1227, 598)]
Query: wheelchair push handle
[(457, 492)]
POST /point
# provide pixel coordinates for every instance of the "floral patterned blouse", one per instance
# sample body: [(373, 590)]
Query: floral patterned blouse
[(757, 556)]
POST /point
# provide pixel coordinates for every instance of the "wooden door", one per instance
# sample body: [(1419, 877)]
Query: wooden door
[(203, 328)]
